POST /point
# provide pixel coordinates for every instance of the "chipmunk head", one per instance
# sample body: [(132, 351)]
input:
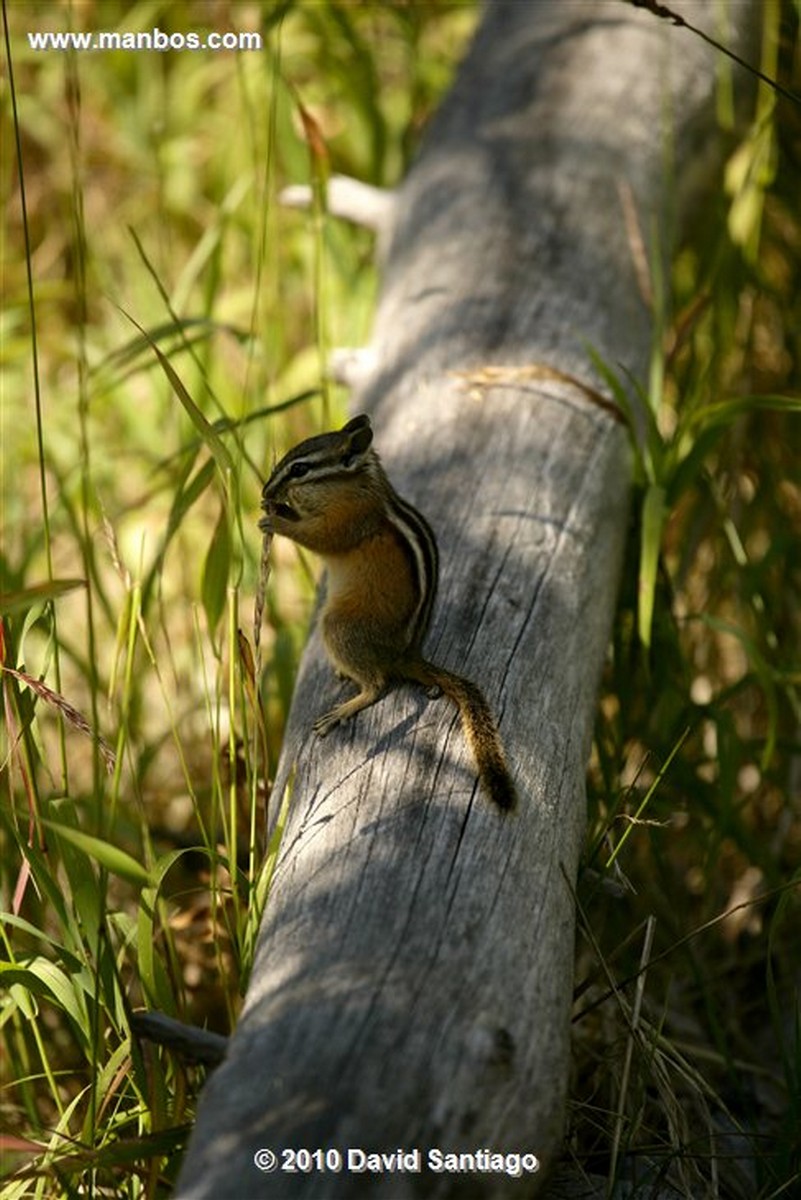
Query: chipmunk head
[(323, 486)]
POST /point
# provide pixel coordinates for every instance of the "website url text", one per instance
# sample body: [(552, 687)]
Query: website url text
[(156, 39)]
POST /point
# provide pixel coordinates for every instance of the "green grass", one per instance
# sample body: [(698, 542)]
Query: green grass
[(180, 319), (688, 1013), (166, 346)]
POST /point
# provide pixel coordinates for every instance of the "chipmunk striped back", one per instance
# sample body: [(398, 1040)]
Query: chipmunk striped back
[(417, 537)]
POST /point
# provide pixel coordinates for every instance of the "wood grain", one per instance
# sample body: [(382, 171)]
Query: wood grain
[(414, 973)]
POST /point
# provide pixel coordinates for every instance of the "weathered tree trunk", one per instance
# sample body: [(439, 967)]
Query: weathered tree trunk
[(413, 981)]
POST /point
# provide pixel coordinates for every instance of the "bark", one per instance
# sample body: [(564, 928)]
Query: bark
[(412, 986)]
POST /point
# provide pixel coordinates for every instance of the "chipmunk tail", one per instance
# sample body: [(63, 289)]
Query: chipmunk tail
[(481, 732)]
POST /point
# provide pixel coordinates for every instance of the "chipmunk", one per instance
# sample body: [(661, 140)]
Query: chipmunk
[(331, 495)]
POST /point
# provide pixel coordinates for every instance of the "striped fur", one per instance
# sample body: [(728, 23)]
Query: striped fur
[(419, 540)]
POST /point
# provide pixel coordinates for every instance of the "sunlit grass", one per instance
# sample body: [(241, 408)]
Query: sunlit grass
[(182, 321)]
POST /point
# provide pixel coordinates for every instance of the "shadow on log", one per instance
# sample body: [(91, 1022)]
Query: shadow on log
[(412, 987)]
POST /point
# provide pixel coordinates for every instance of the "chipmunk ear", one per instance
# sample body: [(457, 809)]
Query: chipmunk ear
[(359, 432)]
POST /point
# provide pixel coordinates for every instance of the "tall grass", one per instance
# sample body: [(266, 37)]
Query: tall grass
[(689, 1001), (164, 326)]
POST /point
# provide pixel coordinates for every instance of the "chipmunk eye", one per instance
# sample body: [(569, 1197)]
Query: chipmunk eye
[(298, 470)]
